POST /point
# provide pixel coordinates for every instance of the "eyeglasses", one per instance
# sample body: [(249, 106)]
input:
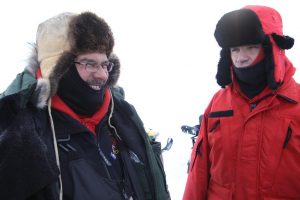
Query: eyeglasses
[(94, 66)]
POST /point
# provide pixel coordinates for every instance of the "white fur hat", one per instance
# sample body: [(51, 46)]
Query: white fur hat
[(52, 41)]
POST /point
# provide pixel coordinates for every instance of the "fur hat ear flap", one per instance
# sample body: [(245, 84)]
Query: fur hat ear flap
[(223, 75), (283, 42), (64, 63)]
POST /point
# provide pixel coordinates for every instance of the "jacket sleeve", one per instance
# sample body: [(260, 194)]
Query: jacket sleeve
[(155, 167), (27, 160), (198, 174)]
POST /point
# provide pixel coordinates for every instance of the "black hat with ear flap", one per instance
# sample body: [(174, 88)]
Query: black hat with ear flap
[(253, 25), (283, 42), (236, 28)]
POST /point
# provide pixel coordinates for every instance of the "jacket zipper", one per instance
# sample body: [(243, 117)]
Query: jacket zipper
[(287, 137), (104, 159)]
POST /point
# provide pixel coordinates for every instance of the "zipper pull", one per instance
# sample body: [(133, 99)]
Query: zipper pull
[(252, 106), (134, 157)]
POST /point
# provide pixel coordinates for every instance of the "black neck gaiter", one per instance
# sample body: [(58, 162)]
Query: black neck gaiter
[(78, 95), (252, 80)]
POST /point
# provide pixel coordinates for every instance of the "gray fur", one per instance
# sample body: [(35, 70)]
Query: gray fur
[(32, 61), (42, 90), (115, 73), (41, 93)]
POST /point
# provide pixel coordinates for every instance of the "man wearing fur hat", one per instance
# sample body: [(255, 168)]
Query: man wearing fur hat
[(66, 131), (249, 141)]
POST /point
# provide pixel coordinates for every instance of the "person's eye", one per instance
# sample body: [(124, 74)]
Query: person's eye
[(234, 49), (91, 65), (254, 47)]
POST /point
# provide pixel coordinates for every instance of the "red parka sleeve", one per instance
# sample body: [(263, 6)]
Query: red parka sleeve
[(198, 174)]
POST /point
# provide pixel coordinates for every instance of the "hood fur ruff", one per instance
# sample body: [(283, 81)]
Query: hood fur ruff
[(83, 33), (46, 87)]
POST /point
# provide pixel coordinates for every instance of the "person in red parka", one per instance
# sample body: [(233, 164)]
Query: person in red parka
[(248, 146)]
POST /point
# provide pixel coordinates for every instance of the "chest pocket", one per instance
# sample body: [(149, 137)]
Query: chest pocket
[(216, 121), (84, 174), (88, 184), (221, 144), (280, 160)]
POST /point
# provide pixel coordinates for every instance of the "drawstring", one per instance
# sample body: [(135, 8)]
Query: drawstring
[(56, 150), (110, 116)]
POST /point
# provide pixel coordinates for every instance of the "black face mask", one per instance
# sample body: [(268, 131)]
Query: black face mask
[(78, 95), (252, 79)]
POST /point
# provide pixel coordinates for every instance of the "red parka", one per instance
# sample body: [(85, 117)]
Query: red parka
[(250, 149)]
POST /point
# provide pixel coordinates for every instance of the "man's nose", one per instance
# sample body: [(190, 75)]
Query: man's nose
[(242, 56), (101, 74)]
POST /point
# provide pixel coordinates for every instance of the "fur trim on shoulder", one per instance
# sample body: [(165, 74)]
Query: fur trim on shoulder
[(32, 61), (41, 93)]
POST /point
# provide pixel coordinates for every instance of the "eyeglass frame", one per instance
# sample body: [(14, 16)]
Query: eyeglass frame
[(94, 66)]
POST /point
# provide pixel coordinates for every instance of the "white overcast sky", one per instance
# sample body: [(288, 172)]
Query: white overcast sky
[(166, 47), (167, 50)]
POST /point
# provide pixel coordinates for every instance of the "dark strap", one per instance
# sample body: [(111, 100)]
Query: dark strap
[(129, 172)]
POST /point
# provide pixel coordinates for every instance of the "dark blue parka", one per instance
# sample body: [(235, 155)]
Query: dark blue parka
[(29, 168)]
